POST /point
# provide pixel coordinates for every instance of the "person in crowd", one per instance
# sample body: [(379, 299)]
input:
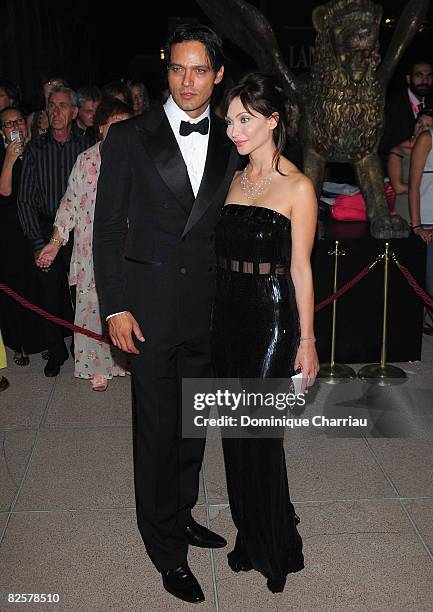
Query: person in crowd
[(402, 108), (40, 193), (165, 91), (4, 383), (421, 206), (139, 96), (262, 324), (165, 174), (89, 98), (117, 89), (37, 122), (21, 328), (399, 162), (9, 94), (94, 360)]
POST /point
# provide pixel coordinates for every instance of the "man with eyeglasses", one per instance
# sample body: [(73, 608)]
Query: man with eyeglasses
[(47, 163)]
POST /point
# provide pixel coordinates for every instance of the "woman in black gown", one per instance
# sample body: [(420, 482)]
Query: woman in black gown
[(263, 316), (21, 328)]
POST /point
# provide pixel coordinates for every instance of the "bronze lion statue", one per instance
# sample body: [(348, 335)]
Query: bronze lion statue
[(342, 99)]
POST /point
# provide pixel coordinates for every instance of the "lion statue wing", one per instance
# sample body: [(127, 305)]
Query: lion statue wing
[(248, 28), (408, 25)]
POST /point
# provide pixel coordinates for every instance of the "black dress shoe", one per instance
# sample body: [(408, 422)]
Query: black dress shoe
[(182, 583), (203, 537), (276, 585), (4, 383), (53, 367), (239, 561)]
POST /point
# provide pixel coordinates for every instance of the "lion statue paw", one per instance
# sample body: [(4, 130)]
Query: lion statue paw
[(389, 226)]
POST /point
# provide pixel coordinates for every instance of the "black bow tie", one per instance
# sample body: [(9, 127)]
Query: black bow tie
[(187, 128)]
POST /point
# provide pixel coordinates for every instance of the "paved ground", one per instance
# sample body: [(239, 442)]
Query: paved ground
[(67, 522)]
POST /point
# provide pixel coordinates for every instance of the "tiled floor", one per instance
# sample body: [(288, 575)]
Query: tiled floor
[(67, 521)]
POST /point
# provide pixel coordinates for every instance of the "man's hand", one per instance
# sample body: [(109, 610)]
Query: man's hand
[(120, 328)]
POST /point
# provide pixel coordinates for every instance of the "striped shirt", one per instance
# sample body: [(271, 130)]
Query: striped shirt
[(47, 165)]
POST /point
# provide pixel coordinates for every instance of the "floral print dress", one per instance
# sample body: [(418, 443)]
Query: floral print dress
[(76, 212)]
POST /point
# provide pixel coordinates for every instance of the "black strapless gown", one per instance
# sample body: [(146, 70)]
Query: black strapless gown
[(255, 334)]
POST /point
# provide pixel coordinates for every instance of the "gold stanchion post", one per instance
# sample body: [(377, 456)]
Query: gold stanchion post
[(380, 371), (335, 372)]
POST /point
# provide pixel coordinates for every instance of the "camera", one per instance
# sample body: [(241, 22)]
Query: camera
[(15, 135)]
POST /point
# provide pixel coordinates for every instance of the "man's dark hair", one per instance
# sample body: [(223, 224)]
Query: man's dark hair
[(11, 90), (201, 33), (88, 93), (413, 62), (108, 108)]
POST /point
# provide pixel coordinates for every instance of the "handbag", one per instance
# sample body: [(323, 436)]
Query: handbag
[(352, 207)]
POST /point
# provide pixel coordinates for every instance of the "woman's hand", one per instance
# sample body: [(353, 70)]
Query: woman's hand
[(307, 361), (13, 151), (424, 233), (47, 255)]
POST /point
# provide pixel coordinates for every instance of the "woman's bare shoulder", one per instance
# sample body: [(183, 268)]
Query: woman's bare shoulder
[(294, 178), (425, 138)]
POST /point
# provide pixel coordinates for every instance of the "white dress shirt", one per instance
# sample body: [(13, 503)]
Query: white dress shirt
[(194, 146), (415, 102)]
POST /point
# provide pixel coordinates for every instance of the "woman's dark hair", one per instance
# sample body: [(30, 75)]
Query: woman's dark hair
[(110, 107), (46, 78), (110, 90), (201, 33), (11, 90), (10, 108), (428, 112), (262, 92)]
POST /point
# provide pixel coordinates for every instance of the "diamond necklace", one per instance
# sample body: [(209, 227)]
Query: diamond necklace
[(254, 190)]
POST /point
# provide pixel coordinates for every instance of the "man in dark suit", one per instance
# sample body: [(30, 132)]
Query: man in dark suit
[(164, 177), (402, 108)]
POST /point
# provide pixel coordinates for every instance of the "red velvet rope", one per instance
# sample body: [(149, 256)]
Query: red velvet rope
[(106, 340), (51, 317), (354, 281), (415, 286)]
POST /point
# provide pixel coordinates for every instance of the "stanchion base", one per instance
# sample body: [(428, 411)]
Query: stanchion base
[(388, 374), (337, 373)]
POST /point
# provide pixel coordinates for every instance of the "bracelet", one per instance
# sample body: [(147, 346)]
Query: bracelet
[(56, 241), (307, 338), (416, 226)]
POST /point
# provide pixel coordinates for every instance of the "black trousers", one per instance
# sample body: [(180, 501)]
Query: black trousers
[(55, 296), (166, 467)]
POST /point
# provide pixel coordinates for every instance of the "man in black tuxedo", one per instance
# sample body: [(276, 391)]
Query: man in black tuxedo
[(164, 177), (402, 108)]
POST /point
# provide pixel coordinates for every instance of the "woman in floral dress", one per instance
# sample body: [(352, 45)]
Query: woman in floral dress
[(94, 360)]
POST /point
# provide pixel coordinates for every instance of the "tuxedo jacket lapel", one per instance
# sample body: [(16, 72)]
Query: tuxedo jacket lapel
[(218, 153), (159, 140)]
